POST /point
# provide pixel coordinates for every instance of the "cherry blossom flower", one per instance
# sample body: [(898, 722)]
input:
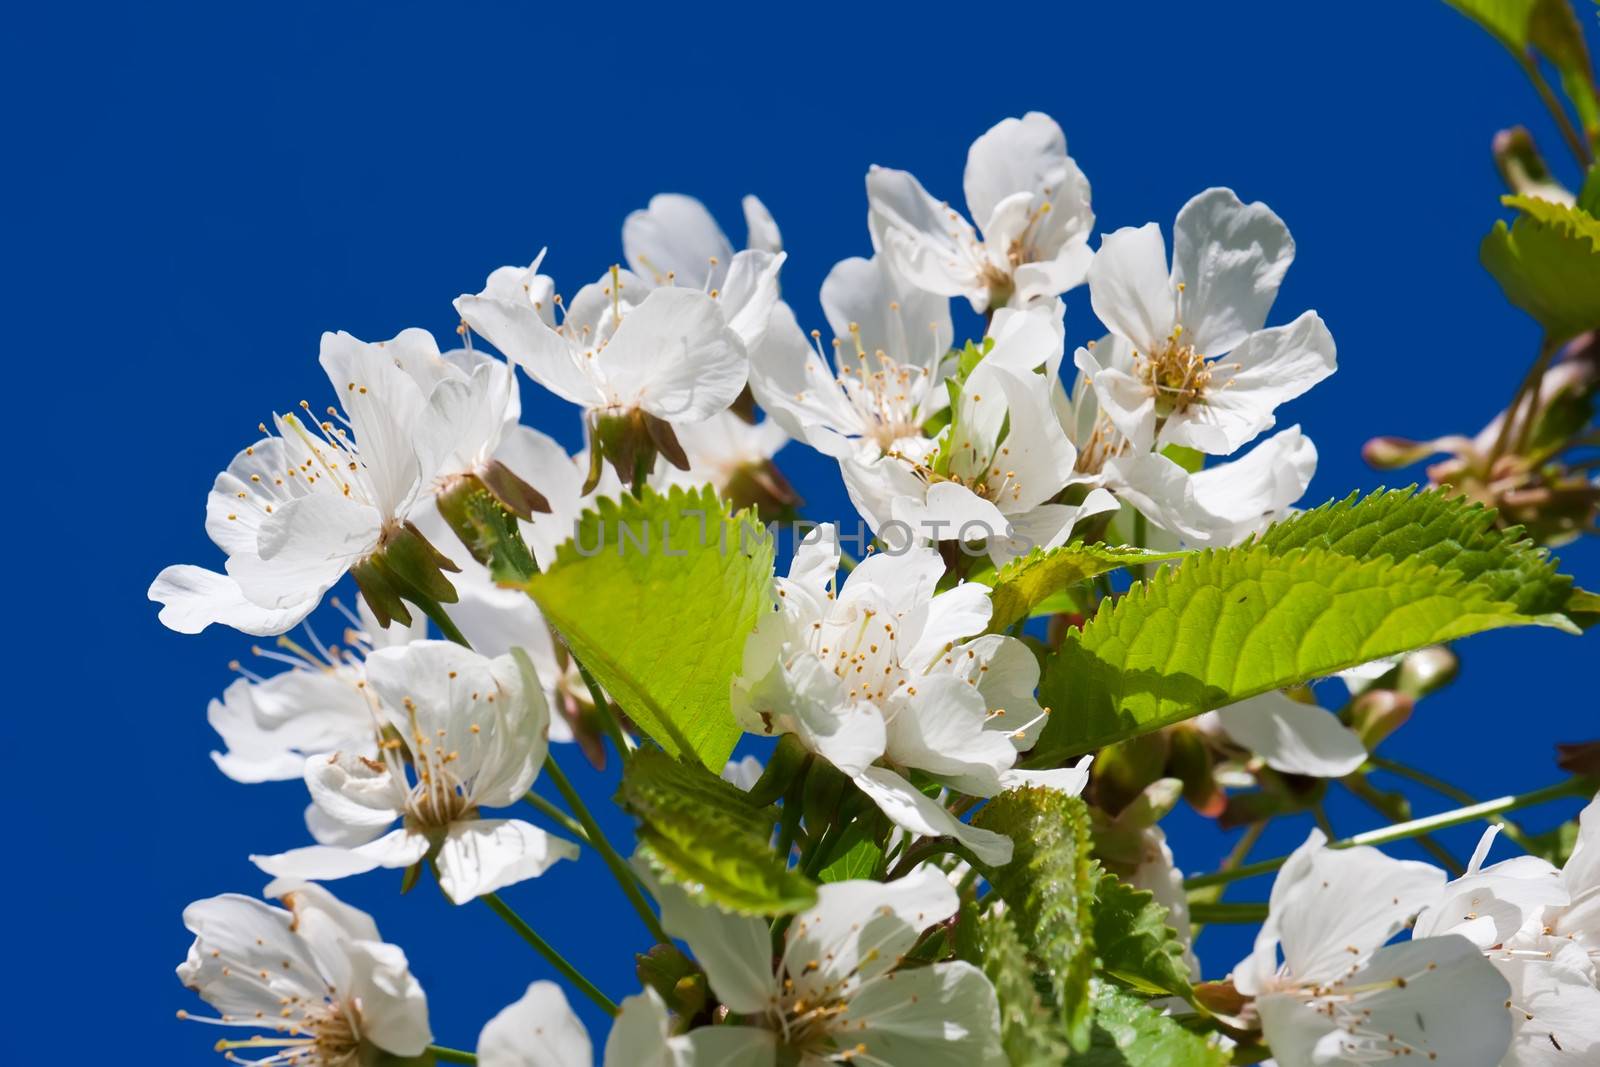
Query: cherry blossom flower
[(1340, 994), (1002, 461), (1537, 925), (271, 723), (838, 992), (473, 732), (890, 345), (297, 510), (886, 668), (1160, 376), (317, 978), (1030, 200)]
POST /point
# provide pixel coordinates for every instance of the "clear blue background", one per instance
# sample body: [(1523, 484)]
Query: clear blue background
[(197, 192)]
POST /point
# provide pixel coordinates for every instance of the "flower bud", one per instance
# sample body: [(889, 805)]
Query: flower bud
[(788, 762), (1377, 713), (1427, 670), (675, 977), (1390, 453), (1523, 169), (487, 526), (763, 487)]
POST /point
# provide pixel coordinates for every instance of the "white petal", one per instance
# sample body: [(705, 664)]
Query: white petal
[(525, 338), (1130, 289), (796, 388), (193, 598), (1332, 907), (860, 929), (926, 242), (394, 1011), (1259, 487), (1069, 780), (761, 230), (539, 1029), (910, 810), (1564, 1004), (909, 325), (315, 863), (735, 950), (1026, 155), (1231, 258), (676, 235), (750, 292), (482, 855), (1274, 366), (1128, 402), (675, 356), (355, 792), (945, 1015), (1292, 737), (941, 730)]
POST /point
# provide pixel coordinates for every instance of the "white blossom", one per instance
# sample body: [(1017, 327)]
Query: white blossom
[(1161, 376), (469, 733), (1025, 193), (1339, 993), (838, 992), (297, 509), (317, 979), (883, 667)]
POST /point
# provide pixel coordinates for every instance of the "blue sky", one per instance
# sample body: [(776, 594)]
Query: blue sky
[(200, 191)]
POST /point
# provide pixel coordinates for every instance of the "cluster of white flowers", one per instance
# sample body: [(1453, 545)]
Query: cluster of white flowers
[(889, 676)]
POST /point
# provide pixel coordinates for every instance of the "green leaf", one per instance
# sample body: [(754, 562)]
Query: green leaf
[(1134, 942), (1029, 1032), (656, 595), (1230, 624), (859, 858), (1130, 1033), (1049, 887), (1029, 581), (706, 836), (1455, 534), (1548, 263)]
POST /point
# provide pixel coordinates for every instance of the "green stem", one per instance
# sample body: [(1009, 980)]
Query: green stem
[(1228, 913), (818, 858), (567, 970), (1512, 831), (451, 1055), (789, 821), (1530, 381), (550, 811), (1569, 132), (608, 716), (925, 849), (1396, 808), (1141, 533), (619, 866), (1401, 831)]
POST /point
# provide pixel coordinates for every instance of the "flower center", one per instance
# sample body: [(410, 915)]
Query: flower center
[(884, 391), (439, 797), (857, 643), (1176, 374), (1104, 443), (320, 1037)]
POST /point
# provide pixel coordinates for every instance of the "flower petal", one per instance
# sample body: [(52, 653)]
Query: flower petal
[(482, 855), (1230, 257), (910, 810)]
